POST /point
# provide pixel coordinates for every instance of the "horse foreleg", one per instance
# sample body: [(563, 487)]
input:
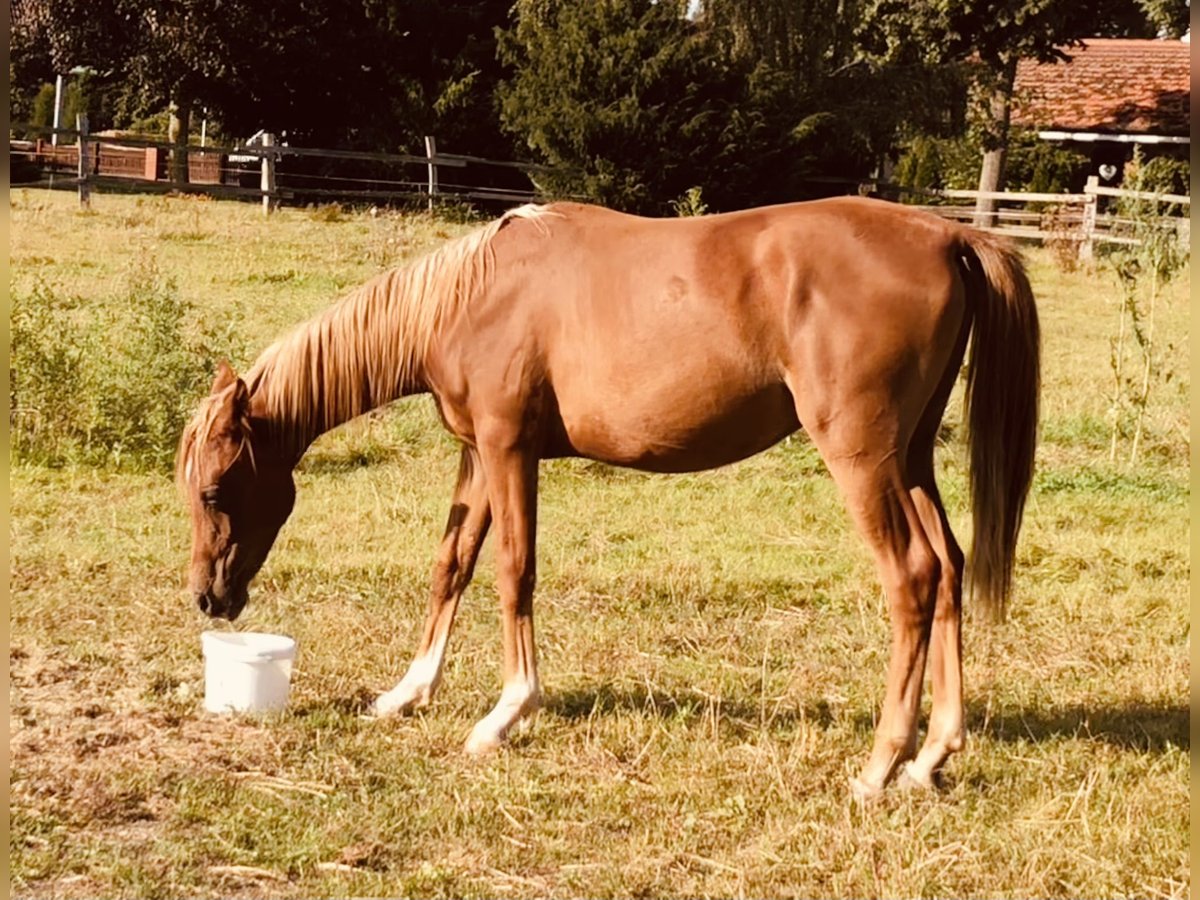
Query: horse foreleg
[(512, 480), (466, 527), (946, 729)]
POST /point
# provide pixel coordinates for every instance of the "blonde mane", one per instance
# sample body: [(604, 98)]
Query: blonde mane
[(370, 347)]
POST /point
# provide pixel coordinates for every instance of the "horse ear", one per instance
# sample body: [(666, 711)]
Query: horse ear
[(239, 397), (235, 405), (224, 378)]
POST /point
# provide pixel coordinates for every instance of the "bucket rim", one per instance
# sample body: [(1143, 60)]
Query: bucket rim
[(247, 646)]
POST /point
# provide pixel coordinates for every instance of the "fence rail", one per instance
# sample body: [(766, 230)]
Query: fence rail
[(254, 171), (1078, 218), (257, 170)]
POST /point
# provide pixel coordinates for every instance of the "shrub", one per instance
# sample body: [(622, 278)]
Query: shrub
[(690, 203), (1031, 164), (1043, 167), (1161, 175), (1143, 269), (110, 383), (46, 374)]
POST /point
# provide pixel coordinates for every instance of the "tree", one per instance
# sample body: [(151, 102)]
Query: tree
[(862, 88), (161, 53), (444, 54), (369, 74), (994, 34), (634, 104)]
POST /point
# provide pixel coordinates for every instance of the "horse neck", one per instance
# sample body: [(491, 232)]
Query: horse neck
[(361, 353)]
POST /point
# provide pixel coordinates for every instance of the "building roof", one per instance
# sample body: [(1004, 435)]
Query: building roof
[(1110, 85)]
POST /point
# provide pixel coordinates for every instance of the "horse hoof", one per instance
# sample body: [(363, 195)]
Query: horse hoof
[(864, 792), (911, 780), (398, 703), (482, 743), (382, 708)]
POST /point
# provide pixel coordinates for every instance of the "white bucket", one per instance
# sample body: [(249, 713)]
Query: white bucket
[(246, 671)]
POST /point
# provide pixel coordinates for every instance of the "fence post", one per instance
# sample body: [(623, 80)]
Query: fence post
[(57, 109), (268, 174), (1088, 226), (430, 153), (85, 162)]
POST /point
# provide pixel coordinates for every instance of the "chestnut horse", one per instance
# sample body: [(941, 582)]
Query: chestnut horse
[(668, 346)]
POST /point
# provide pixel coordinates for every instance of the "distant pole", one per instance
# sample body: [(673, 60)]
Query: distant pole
[(57, 109), (268, 174), (85, 162), (431, 153), (1088, 225)]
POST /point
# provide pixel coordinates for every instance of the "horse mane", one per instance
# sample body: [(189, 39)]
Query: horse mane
[(370, 346)]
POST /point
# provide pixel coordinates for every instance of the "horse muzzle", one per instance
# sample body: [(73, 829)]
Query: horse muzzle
[(214, 606)]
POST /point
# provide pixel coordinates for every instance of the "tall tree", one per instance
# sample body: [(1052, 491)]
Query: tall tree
[(631, 102), (370, 74), (162, 53), (995, 34), (865, 88)]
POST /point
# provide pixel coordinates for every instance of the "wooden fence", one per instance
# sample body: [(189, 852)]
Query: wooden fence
[(1086, 219), (258, 170), (255, 171)]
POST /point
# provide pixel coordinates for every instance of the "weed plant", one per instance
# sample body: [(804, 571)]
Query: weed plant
[(1155, 256), (110, 383)]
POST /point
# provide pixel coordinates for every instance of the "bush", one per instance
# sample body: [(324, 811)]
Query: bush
[(1043, 167), (1161, 175), (1031, 164), (691, 203), (43, 110), (46, 374), (110, 383)]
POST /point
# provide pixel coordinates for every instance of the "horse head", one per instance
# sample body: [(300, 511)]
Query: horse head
[(239, 492)]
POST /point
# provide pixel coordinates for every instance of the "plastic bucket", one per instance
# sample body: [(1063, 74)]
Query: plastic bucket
[(245, 671)]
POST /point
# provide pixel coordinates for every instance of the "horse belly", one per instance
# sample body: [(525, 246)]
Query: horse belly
[(682, 430)]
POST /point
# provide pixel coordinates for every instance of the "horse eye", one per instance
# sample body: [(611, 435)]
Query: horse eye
[(210, 495)]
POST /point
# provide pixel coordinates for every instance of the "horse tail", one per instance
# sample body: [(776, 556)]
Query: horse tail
[(1001, 410)]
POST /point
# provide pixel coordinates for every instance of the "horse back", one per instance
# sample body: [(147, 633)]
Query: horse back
[(672, 344)]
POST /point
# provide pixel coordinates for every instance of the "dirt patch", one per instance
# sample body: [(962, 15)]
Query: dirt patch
[(90, 752)]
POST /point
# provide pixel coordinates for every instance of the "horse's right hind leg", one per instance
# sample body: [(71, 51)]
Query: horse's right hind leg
[(470, 516)]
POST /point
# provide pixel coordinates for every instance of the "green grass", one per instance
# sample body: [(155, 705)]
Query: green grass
[(712, 647)]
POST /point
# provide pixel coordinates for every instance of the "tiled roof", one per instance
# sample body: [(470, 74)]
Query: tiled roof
[(1109, 85)]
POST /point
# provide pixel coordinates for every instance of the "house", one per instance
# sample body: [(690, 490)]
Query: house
[(1112, 94)]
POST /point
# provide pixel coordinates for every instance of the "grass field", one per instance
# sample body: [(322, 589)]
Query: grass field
[(712, 646)]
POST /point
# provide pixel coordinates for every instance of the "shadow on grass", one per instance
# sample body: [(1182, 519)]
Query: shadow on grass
[(1129, 726), (356, 703), (684, 705)]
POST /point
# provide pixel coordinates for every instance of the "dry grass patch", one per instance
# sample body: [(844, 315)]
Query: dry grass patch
[(712, 648)]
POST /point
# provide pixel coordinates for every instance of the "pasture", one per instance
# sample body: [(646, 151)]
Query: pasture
[(712, 646)]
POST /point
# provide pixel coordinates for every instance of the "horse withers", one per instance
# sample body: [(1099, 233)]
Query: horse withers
[(668, 346)]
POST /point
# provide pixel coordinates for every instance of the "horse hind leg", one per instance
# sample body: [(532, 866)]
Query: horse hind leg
[(946, 722), (869, 472), (466, 528), (946, 733)]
